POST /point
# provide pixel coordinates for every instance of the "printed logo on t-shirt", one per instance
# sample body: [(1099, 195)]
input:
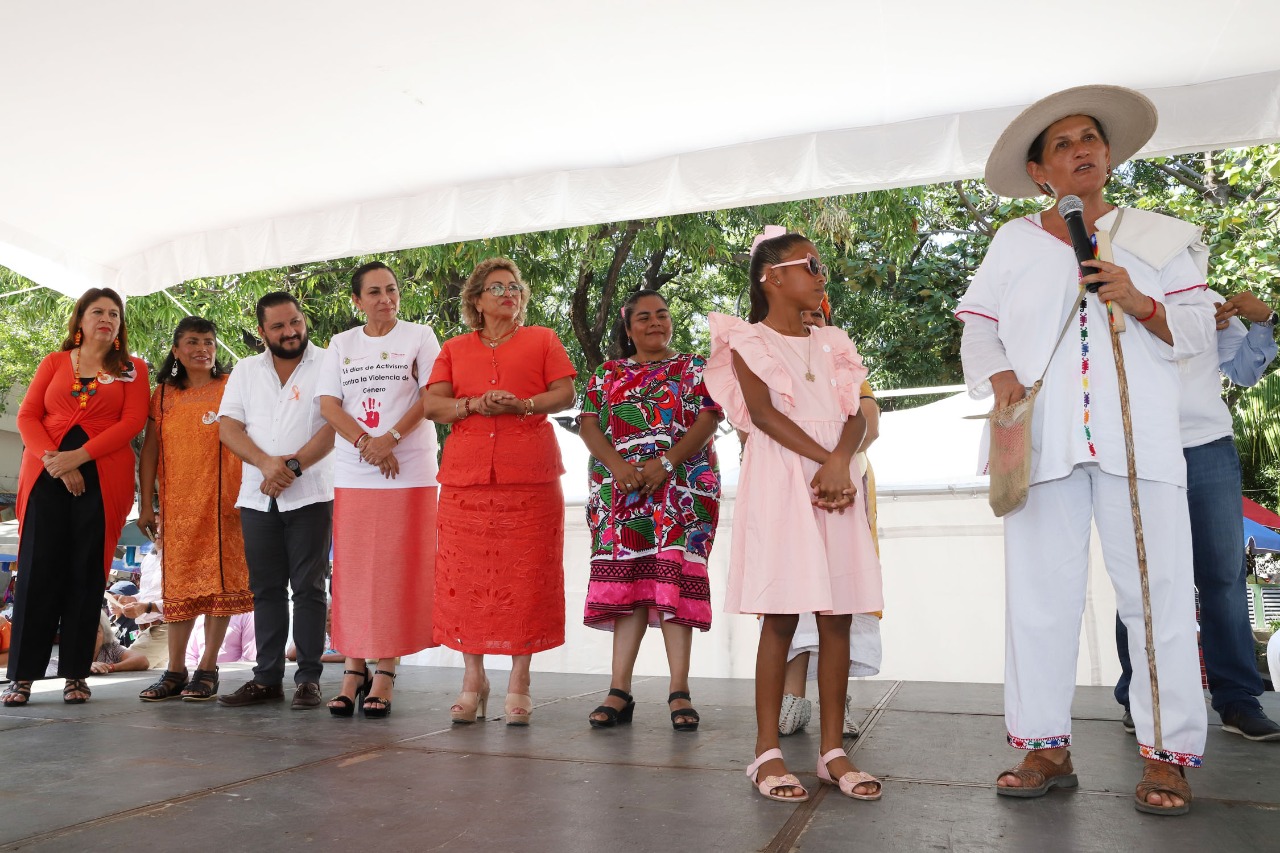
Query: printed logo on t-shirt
[(371, 416), (371, 379)]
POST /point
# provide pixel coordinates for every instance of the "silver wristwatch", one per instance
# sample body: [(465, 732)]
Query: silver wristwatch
[(666, 464), (394, 433)]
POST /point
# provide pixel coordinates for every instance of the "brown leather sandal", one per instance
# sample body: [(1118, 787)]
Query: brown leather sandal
[(1038, 774), (1159, 777)]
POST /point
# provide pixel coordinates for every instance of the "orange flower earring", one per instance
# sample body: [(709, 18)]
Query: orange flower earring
[(77, 337), (117, 345)]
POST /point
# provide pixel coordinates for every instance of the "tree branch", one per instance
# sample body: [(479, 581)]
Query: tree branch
[(578, 304), (622, 251), (1205, 187), (653, 277), (984, 225)]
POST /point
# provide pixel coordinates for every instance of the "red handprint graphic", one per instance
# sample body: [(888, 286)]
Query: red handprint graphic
[(371, 416)]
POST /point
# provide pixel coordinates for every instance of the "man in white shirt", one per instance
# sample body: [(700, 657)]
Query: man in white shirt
[(1217, 535), (270, 419)]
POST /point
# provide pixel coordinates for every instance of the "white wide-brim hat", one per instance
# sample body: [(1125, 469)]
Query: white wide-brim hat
[(1128, 120)]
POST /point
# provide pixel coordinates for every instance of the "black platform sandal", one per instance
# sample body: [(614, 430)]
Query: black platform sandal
[(76, 685), (613, 715), (346, 706), (383, 706), (170, 686), (202, 687), (683, 712)]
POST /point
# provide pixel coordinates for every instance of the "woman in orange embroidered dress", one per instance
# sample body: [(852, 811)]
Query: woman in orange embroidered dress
[(500, 553), (199, 479)]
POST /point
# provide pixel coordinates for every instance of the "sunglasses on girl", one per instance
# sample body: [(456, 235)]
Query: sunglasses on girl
[(816, 267), (500, 290)]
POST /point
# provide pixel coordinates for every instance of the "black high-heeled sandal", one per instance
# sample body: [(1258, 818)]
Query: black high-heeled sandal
[(614, 716), (383, 706), (683, 712), (346, 706)]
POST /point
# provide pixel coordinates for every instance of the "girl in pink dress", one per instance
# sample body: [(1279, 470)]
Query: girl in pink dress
[(801, 543)]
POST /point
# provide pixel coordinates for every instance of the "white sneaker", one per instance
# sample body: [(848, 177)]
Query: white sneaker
[(796, 713), (850, 727)]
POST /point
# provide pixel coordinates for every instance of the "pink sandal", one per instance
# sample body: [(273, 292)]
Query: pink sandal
[(849, 781), (772, 783)]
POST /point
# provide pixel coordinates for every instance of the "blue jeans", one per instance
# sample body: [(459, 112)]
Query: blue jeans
[(1217, 550)]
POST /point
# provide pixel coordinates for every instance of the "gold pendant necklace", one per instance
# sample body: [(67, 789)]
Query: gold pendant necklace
[(492, 343), (808, 355)]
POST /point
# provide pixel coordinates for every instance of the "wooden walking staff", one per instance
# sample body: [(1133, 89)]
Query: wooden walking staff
[(1117, 326)]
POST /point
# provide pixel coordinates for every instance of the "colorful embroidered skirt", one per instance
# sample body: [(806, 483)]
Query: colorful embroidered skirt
[(384, 552), (671, 586), (500, 568)]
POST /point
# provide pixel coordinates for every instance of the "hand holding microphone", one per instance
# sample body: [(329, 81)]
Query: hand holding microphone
[(1100, 276)]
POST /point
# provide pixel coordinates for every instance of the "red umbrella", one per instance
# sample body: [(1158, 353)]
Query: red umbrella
[(1260, 514)]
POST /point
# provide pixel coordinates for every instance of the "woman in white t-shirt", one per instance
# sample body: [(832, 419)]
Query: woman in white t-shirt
[(384, 508)]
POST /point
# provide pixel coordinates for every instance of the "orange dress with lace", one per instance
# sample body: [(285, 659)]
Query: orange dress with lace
[(202, 547), (500, 522)]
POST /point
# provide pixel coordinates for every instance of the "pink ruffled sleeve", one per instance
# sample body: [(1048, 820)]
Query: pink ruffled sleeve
[(849, 370), (730, 335)]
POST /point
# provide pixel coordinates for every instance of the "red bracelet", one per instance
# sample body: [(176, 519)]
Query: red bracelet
[(1155, 306), (359, 438)]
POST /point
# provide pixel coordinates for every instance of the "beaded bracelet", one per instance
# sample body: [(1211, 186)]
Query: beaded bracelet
[(528, 408), (466, 407), (1155, 306)]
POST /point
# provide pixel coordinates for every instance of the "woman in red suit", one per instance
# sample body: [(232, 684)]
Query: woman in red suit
[(85, 404)]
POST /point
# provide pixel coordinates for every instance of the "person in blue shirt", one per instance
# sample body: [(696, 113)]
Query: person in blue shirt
[(1217, 535)]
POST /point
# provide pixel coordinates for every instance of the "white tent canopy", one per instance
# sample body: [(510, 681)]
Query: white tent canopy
[(147, 142)]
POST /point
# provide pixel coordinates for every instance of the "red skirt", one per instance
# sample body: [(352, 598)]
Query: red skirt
[(384, 553), (500, 569)]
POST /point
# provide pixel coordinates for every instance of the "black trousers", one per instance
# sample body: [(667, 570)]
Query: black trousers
[(288, 549), (60, 577)]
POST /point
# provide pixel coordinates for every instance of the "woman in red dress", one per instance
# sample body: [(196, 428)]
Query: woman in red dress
[(500, 543), (75, 488)]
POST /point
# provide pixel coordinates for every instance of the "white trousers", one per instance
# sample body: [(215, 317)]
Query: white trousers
[(1046, 571)]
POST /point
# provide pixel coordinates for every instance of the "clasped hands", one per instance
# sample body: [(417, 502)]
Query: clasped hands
[(276, 476), (833, 488), (65, 465), (645, 479), (379, 451), (497, 402)]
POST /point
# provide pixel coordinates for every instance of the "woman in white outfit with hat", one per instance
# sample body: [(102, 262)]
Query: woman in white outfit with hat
[(1015, 311)]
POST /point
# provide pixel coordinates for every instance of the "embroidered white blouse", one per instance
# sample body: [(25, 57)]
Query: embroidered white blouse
[(1015, 307)]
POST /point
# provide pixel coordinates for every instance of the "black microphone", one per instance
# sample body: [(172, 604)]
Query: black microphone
[(1071, 209)]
